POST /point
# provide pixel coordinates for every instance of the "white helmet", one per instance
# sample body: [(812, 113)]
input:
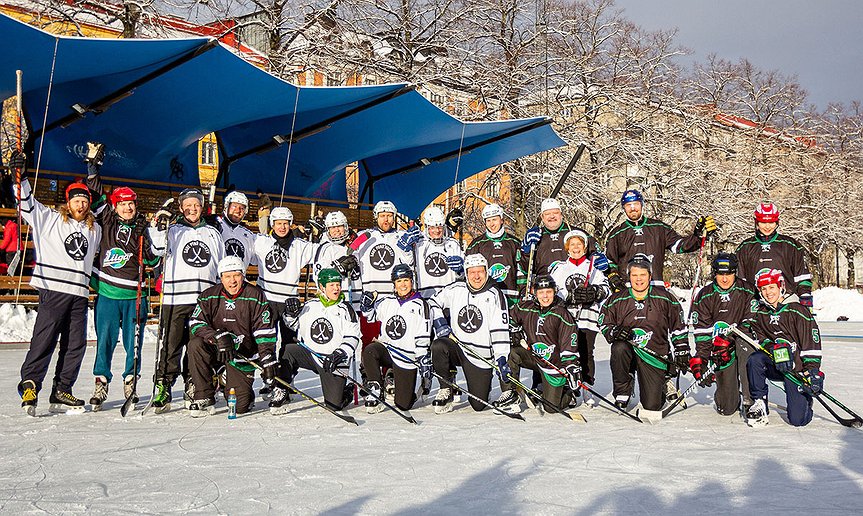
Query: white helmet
[(384, 207), (575, 233), (281, 213), (231, 264), (237, 197), (335, 219), (549, 204), (492, 210), (475, 260), (434, 217)]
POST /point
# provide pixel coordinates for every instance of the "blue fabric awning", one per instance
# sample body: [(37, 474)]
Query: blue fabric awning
[(150, 101)]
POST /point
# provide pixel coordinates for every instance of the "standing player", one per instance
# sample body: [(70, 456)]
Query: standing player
[(192, 251), (239, 241), (231, 319), (789, 333), (643, 317), (639, 234), (767, 249), (502, 251), (439, 259), (726, 301), (66, 241), (405, 319), (478, 320)]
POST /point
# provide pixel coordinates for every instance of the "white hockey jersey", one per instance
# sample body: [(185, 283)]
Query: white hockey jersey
[(279, 268), (191, 263), (325, 327), (479, 320), (239, 241), (431, 269), (378, 253), (404, 326), (567, 271), (64, 249), (326, 254)]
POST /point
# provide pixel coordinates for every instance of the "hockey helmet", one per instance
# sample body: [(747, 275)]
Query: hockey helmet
[(492, 210), (770, 277), (237, 197), (281, 213), (475, 260), (335, 219), (549, 204), (384, 207), (575, 233), (640, 260), (544, 281), (631, 195), (766, 212), (433, 217), (329, 275), (724, 263), (400, 271), (190, 193), (121, 194), (231, 264)]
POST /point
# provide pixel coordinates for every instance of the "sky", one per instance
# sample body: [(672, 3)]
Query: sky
[(819, 42)]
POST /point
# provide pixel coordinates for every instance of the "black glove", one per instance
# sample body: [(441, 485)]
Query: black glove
[(346, 265), (292, 307), (268, 366), (163, 217), (334, 360), (367, 302), (316, 228), (813, 382), (225, 346), (704, 225), (18, 161), (783, 357), (681, 358), (95, 153), (213, 220), (585, 295), (454, 219), (616, 282), (620, 333)]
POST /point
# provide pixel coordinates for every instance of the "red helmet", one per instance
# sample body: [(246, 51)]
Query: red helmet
[(766, 212), (770, 277), (78, 189), (122, 193)]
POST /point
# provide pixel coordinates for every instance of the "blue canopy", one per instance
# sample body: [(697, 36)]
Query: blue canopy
[(150, 101)]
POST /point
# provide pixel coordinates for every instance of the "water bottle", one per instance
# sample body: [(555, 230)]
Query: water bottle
[(232, 404)]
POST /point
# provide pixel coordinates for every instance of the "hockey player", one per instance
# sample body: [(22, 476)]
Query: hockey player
[(502, 251), (716, 306), (548, 240), (787, 330), (582, 287), (239, 241), (115, 279), (328, 329), (640, 323), (66, 242), (477, 319), (439, 258), (231, 320), (549, 332), (378, 250), (192, 250), (639, 234), (335, 253), (405, 318), (768, 249)]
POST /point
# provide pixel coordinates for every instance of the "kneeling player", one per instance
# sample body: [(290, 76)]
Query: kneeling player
[(328, 330), (475, 333), (406, 327), (639, 322), (552, 340), (230, 321), (788, 332)]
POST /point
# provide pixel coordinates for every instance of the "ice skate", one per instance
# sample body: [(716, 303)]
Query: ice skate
[(100, 394), (29, 397), (188, 395), (279, 399), (162, 398), (202, 408), (443, 401), (756, 416), (671, 392), (63, 402), (373, 405), (621, 402), (508, 402), (129, 389)]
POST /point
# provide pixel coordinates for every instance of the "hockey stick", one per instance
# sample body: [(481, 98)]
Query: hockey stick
[(19, 146), (357, 385), (668, 363), (533, 394), (453, 386), (854, 422), (130, 400), (680, 399), (557, 188), (159, 342), (343, 417)]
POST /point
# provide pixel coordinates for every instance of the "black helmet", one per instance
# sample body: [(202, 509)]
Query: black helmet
[(724, 263), (640, 260), (544, 281), (401, 271)]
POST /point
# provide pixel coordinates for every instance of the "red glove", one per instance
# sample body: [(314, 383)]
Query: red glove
[(722, 350)]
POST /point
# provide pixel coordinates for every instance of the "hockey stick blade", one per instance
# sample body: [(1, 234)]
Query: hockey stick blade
[(127, 404)]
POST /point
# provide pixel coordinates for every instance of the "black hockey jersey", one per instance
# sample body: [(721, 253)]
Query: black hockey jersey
[(247, 315), (775, 252), (648, 236), (504, 262), (550, 332), (714, 310)]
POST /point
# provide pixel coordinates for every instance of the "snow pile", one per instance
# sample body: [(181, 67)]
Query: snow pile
[(16, 325), (833, 302)]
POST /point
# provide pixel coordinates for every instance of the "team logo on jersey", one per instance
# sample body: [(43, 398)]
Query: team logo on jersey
[(196, 254), (234, 247), (322, 331), (640, 337), (774, 319), (396, 327), (470, 318), (116, 258), (554, 237), (574, 281), (230, 304), (639, 305), (765, 248), (499, 272), (276, 260), (124, 232), (435, 265), (639, 232), (540, 323), (721, 329), (382, 257), (725, 297), (543, 350), (76, 246), (497, 245)]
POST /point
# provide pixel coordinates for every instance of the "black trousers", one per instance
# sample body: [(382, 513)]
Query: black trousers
[(203, 364), (297, 357), (651, 381), (376, 356), (586, 343), (447, 355), (556, 396), (61, 318), (175, 337)]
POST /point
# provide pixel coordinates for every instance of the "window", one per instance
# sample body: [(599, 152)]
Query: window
[(492, 187), (369, 80), (208, 153), (437, 99), (333, 80)]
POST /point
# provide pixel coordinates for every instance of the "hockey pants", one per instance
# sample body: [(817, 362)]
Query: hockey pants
[(556, 396), (447, 355), (175, 337), (332, 385), (586, 342), (376, 356), (203, 365), (760, 368), (651, 381)]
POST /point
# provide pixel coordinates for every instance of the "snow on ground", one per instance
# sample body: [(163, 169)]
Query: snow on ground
[(308, 461)]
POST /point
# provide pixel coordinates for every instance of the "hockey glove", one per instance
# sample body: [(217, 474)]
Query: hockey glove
[(783, 357), (456, 264), (585, 295), (806, 300), (503, 370), (163, 217), (681, 358), (425, 365), (18, 161), (573, 372), (334, 360), (600, 261), (316, 228), (409, 239), (347, 265), (225, 347), (531, 238), (213, 220), (268, 367), (705, 226), (367, 302), (454, 219), (695, 365), (723, 349), (292, 307), (95, 153), (813, 382), (620, 333), (616, 282)]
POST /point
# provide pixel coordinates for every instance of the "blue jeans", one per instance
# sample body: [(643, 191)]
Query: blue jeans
[(111, 316), (759, 369)]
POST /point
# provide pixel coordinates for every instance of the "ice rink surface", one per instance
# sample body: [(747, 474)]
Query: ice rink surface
[(309, 462)]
